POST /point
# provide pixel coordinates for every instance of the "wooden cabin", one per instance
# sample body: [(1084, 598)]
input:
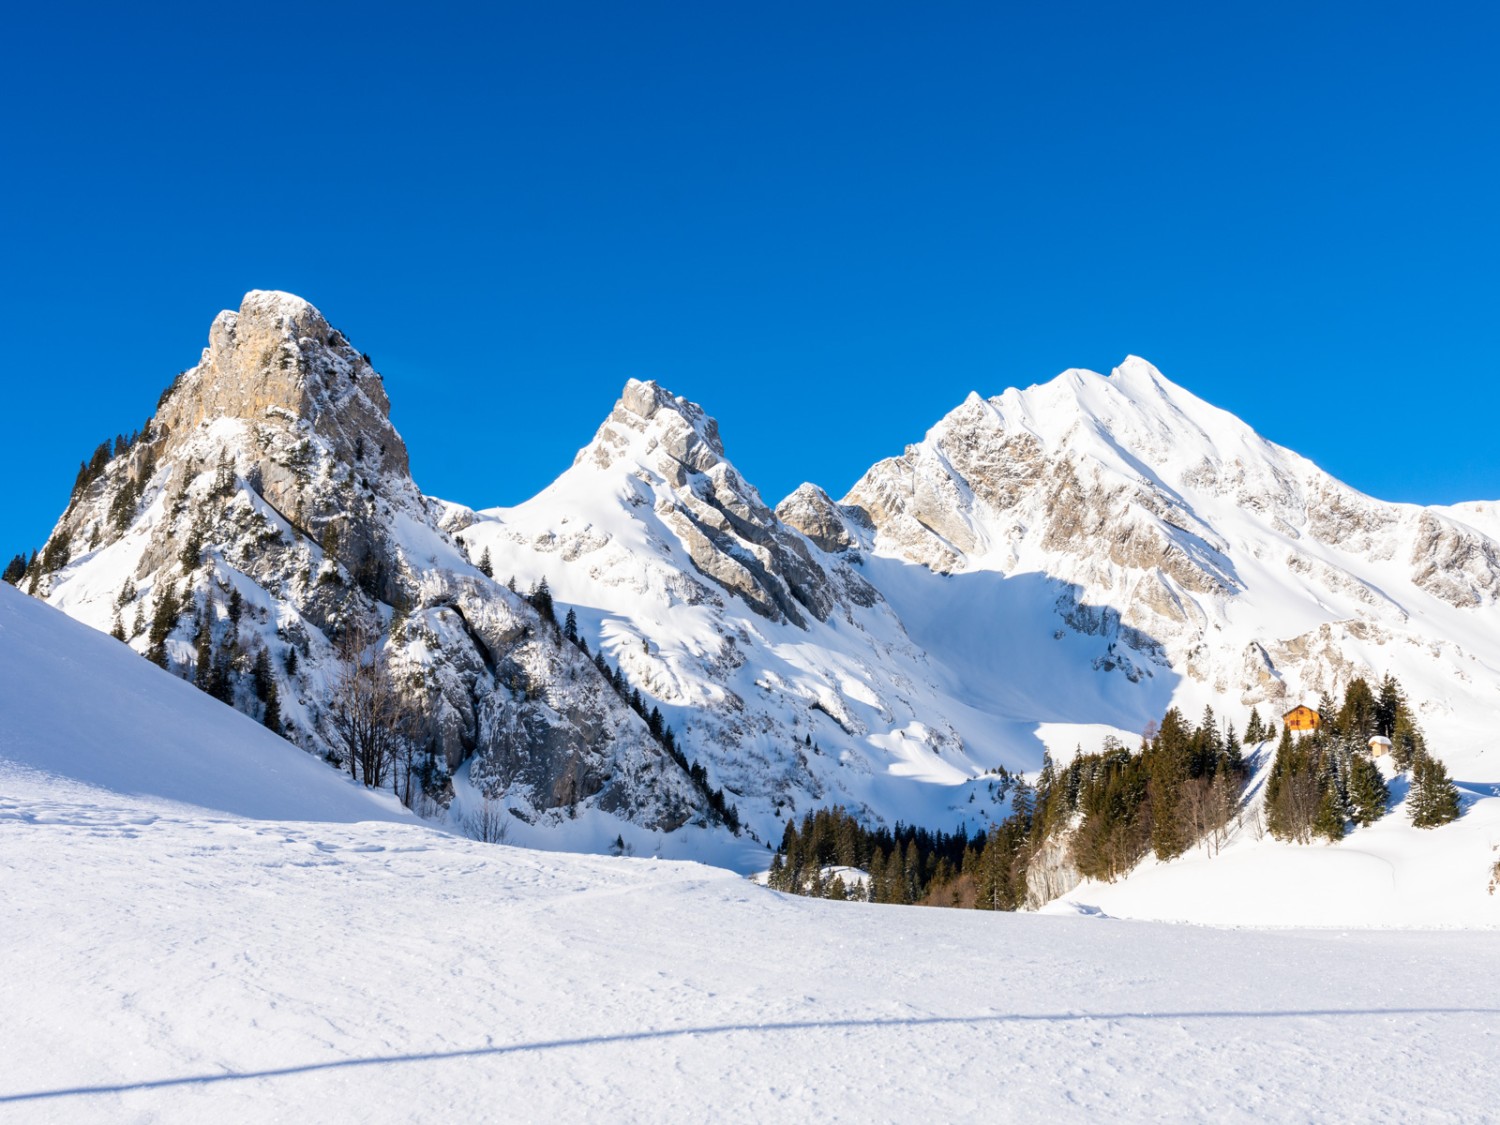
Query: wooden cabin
[(1380, 746), (1301, 720)]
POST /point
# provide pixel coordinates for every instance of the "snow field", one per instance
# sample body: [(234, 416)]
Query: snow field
[(167, 965)]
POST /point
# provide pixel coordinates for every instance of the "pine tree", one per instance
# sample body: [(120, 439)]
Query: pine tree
[(272, 718), (203, 645), (1329, 820), (1169, 760), (1390, 701), (236, 607), (570, 626), (486, 568), (260, 673), (1434, 797), (541, 600), (15, 570), (192, 549), (1368, 793), (163, 621), (220, 680), (1254, 732), (291, 660)]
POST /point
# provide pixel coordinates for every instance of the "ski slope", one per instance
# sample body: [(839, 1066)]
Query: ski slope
[(186, 943)]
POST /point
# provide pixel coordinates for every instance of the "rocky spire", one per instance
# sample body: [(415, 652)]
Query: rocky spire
[(277, 359)]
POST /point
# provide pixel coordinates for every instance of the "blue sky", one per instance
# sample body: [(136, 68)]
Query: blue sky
[(825, 222)]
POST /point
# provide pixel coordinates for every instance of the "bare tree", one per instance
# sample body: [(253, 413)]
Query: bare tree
[(488, 823), (366, 712)]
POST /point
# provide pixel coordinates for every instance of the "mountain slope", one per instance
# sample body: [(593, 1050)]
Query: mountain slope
[(78, 706), (1261, 579), (266, 513), (1047, 568)]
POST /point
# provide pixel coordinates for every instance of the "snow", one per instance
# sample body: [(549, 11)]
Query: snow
[(204, 966), (199, 922), (78, 703)]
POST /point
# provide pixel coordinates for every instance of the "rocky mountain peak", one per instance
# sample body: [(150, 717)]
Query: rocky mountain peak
[(659, 431), (278, 360), (267, 512)]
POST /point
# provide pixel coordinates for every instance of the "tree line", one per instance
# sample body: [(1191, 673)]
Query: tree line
[(1104, 812)]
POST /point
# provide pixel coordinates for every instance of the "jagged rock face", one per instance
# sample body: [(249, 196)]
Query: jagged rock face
[(810, 511), (1152, 502), (272, 476), (278, 359), (731, 536)]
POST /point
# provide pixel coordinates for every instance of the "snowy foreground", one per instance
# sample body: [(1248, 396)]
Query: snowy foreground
[(199, 922), (168, 963)]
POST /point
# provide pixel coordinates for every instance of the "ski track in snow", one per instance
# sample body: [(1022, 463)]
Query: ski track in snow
[(172, 965)]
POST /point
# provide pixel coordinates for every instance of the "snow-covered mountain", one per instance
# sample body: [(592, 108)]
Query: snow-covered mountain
[(1046, 568), (266, 510)]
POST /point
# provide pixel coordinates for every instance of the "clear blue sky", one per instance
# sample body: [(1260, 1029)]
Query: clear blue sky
[(825, 222)]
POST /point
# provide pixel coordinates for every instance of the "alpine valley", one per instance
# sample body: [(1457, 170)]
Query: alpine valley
[(649, 657)]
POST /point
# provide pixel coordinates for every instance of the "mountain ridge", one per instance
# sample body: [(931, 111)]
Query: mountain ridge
[(1045, 568)]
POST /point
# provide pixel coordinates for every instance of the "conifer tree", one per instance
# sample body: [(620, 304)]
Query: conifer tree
[(203, 646), (192, 549), (1358, 718), (1168, 760), (15, 570), (163, 621), (1434, 797), (541, 600), (1254, 732), (272, 718), (220, 679), (485, 566), (1368, 793), (1387, 705), (1329, 820), (570, 626)]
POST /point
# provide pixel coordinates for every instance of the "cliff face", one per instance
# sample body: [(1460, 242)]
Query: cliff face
[(270, 498)]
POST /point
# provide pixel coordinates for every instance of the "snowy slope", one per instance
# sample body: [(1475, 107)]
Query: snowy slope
[(76, 704), (175, 966), (1046, 568), (1247, 575), (266, 510)]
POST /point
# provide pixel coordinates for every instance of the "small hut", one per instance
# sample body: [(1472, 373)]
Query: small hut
[(1380, 746), (1301, 720)]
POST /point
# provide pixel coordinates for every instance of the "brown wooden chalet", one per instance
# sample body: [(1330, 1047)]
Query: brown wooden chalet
[(1301, 720)]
